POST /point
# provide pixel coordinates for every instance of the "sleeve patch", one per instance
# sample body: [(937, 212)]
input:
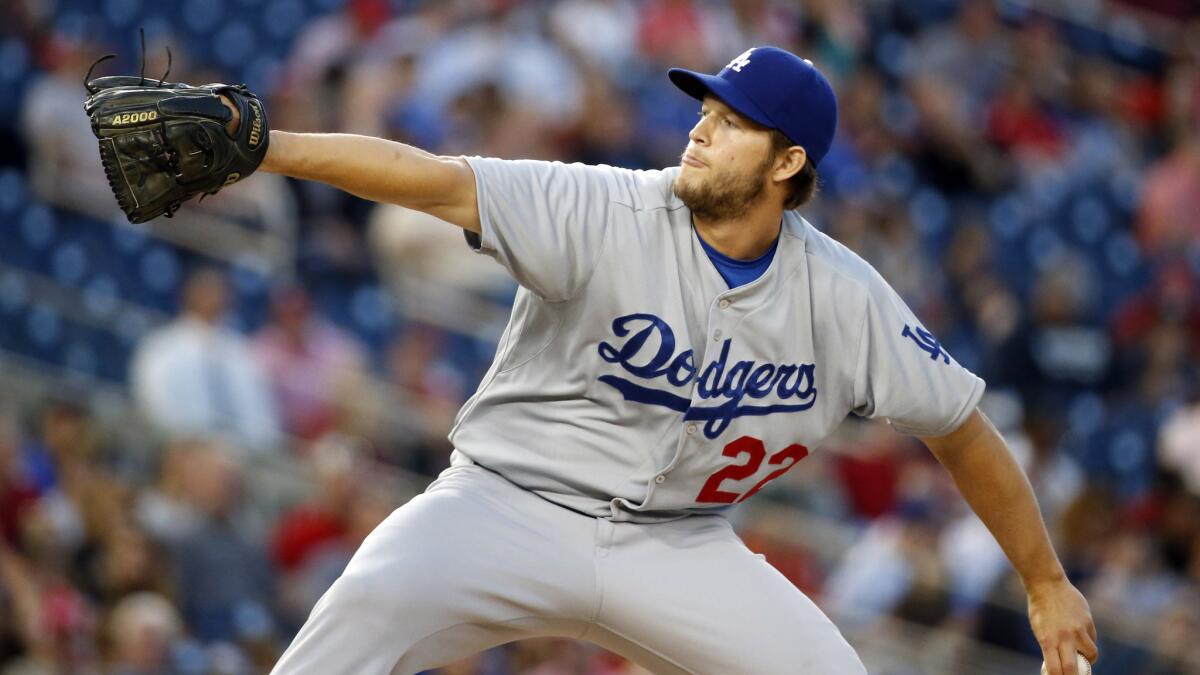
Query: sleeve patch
[(926, 342)]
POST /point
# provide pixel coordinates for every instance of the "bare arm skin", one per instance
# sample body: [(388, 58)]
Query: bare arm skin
[(381, 171), (997, 490), (378, 170)]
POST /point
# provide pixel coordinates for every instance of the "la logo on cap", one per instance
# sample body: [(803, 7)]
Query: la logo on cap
[(741, 61)]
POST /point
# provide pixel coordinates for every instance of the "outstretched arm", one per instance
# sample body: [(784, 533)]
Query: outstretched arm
[(378, 170), (997, 490), (381, 171)]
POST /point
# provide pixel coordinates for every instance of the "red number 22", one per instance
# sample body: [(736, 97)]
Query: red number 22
[(712, 493)]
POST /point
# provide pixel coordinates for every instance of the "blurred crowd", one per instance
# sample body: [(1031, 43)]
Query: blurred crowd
[(1028, 181)]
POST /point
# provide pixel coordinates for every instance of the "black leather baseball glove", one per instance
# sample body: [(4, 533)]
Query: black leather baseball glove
[(163, 143)]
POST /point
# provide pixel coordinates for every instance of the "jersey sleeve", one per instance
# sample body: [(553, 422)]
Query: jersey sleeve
[(905, 375), (545, 222)]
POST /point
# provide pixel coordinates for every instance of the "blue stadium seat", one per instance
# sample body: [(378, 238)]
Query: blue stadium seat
[(283, 18), (16, 71), (122, 12), (1043, 246), (80, 355), (202, 16), (1007, 217), (234, 44), (12, 192), (1090, 218), (14, 295), (38, 227), (100, 297), (323, 6), (69, 263), (160, 270), (929, 212), (1122, 254), (896, 176), (128, 239), (43, 328)]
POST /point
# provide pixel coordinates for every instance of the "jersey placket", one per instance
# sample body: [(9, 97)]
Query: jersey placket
[(723, 318)]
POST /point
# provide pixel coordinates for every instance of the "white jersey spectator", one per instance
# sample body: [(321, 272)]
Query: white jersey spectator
[(194, 376)]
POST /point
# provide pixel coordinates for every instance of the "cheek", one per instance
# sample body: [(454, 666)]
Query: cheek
[(738, 158)]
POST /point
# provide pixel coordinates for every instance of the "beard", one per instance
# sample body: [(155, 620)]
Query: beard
[(723, 194)]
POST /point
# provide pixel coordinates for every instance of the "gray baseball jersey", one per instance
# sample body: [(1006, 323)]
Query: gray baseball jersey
[(633, 387), (633, 383)]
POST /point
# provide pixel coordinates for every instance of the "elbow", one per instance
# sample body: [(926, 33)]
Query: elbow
[(972, 432), (454, 199)]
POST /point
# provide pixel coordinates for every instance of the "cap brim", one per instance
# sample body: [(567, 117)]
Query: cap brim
[(699, 85)]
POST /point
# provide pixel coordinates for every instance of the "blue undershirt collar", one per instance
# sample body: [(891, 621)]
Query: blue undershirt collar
[(738, 272)]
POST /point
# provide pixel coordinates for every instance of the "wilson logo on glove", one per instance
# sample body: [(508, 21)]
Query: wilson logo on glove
[(255, 125)]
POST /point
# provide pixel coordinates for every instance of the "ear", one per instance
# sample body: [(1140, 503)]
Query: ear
[(788, 163)]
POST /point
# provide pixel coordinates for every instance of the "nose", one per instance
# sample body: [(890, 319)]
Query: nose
[(699, 133)]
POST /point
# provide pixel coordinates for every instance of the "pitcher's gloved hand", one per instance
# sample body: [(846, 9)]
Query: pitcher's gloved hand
[(163, 143)]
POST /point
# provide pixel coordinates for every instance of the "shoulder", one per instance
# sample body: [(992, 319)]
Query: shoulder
[(832, 265), (653, 189), (639, 190)]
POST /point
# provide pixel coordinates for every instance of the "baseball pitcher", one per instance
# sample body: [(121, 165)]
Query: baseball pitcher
[(681, 339)]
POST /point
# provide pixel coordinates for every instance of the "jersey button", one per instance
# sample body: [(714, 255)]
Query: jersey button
[(723, 304), (717, 334), (660, 479), (690, 429)]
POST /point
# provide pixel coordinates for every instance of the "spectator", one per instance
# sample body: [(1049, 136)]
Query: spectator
[(310, 364), (602, 32), (418, 366), (1058, 353), (17, 492), (507, 49), (195, 376), (968, 54), (679, 32), (161, 509), (125, 561), (312, 542), (431, 273), (1019, 123), (226, 585), (1179, 448), (65, 167), (1167, 223), (142, 630)]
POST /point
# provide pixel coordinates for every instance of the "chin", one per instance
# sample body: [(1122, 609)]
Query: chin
[(681, 185)]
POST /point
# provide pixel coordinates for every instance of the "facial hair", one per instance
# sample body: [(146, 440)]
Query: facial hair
[(724, 195)]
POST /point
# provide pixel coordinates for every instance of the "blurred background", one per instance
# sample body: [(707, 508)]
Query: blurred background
[(201, 417)]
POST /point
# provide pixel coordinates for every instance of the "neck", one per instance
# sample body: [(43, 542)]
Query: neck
[(743, 238)]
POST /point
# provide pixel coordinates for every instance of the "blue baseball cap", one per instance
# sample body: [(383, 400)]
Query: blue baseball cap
[(775, 88)]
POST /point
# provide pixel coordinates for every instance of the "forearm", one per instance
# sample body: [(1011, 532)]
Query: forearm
[(996, 488), (378, 170)]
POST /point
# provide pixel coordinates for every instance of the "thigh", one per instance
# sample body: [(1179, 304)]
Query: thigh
[(691, 594), (471, 563)]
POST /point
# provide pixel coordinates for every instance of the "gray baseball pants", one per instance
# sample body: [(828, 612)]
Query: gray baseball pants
[(476, 562)]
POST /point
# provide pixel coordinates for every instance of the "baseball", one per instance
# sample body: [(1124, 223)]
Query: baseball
[(1082, 665)]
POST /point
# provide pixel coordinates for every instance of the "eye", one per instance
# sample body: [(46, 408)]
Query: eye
[(729, 123)]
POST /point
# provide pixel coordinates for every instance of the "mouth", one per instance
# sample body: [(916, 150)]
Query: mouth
[(690, 160)]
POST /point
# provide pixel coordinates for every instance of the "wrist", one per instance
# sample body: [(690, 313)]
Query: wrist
[(276, 145), (1035, 584)]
